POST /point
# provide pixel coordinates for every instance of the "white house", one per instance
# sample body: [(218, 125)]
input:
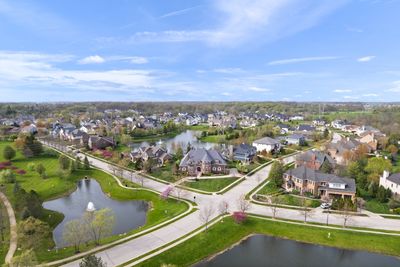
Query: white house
[(391, 181), (268, 144)]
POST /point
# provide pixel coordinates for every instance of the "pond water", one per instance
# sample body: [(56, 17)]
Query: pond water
[(267, 251), (129, 215), (182, 139)]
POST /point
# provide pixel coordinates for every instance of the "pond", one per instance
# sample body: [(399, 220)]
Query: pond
[(182, 139), (267, 251), (129, 215)]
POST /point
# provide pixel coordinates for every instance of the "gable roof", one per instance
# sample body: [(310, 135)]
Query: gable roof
[(201, 155), (266, 141), (319, 156), (395, 178)]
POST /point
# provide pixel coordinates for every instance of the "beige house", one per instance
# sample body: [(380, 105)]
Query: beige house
[(390, 181)]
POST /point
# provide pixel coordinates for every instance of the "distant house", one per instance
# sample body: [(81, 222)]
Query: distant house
[(267, 144), (78, 136), (30, 129), (390, 181), (319, 122), (296, 117), (305, 128), (306, 180), (98, 142), (202, 161), (313, 159), (244, 153), (159, 154), (284, 128), (296, 139), (338, 149)]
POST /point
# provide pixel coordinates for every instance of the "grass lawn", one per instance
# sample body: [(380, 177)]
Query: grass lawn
[(210, 185), (375, 206), (225, 234), (269, 189), (4, 244), (213, 138), (54, 186), (165, 173)]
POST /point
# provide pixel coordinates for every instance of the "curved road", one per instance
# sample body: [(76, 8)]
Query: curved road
[(137, 247), (13, 228)]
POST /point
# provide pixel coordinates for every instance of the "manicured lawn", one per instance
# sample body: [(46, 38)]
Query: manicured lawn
[(375, 206), (165, 173), (213, 138), (269, 189), (225, 234), (54, 186), (210, 185)]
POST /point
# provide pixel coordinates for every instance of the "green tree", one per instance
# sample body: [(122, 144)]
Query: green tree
[(179, 153), (276, 174), (326, 133), (78, 163), (32, 233), (9, 153), (41, 170), (99, 224), (326, 167), (7, 176), (92, 261), (26, 259), (64, 162), (75, 233), (376, 166), (86, 163)]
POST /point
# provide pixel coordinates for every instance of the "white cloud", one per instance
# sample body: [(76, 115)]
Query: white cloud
[(299, 60), (96, 59), (243, 20), (139, 60), (351, 97), (258, 89), (226, 94), (228, 70), (365, 59), (342, 91)]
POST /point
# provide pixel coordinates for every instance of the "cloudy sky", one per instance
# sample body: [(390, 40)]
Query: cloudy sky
[(215, 50)]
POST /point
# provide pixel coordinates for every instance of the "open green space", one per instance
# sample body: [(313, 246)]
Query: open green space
[(165, 173), (210, 185), (224, 234), (375, 206), (55, 186), (5, 235)]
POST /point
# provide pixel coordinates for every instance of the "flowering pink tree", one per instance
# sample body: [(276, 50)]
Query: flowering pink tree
[(107, 154), (239, 216), (165, 194), (21, 172)]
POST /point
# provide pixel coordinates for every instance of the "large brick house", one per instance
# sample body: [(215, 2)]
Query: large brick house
[(314, 159), (202, 161), (320, 184), (159, 154)]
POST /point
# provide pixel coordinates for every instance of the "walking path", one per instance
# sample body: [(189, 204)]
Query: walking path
[(120, 254), (13, 228)]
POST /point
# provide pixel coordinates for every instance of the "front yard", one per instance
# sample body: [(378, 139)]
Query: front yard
[(210, 185)]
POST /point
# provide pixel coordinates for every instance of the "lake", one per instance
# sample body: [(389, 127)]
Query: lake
[(267, 251), (182, 139), (129, 215)]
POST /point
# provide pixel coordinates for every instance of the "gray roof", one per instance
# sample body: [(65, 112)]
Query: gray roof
[(319, 156), (295, 136), (305, 173), (267, 141), (201, 155), (395, 178)]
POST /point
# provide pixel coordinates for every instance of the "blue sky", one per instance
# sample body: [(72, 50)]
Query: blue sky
[(209, 50)]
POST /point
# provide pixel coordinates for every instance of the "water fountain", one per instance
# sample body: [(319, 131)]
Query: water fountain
[(90, 207)]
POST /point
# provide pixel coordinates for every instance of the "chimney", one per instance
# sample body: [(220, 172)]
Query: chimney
[(385, 174)]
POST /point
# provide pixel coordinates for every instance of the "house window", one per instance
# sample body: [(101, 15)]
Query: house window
[(219, 168), (213, 168)]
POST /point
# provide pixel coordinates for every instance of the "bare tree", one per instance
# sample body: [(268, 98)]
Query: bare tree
[(273, 203), (304, 210), (206, 214), (223, 207), (243, 204), (347, 213), (179, 191)]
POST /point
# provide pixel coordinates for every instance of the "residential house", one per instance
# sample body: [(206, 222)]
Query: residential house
[(370, 139), (306, 180), (339, 124), (340, 149), (296, 118), (157, 153), (244, 153), (284, 128), (101, 142), (30, 129), (390, 181), (202, 161), (305, 128), (267, 144), (295, 139), (319, 122), (314, 159)]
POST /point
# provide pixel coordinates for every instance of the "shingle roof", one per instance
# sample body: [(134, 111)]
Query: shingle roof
[(395, 178), (266, 141), (202, 155), (319, 156)]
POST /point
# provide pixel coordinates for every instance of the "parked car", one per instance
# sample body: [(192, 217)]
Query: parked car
[(325, 206)]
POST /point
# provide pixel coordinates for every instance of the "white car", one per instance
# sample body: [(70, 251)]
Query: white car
[(325, 206)]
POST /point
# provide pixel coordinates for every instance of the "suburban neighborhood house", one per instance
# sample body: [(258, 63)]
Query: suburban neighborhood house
[(202, 161), (267, 144), (244, 153), (156, 153), (304, 180), (390, 181), (313, 159), (97, 142)]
